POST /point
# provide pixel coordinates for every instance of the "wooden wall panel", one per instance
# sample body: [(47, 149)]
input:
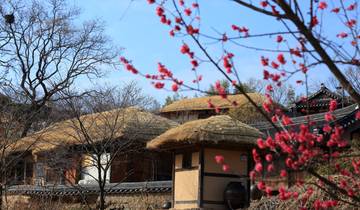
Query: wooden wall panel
[(186, 188), (214, 187), (237, 161)]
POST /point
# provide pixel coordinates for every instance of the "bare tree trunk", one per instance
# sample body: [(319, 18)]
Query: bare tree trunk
[(30, 119), (27, 125), (102, 199), (1, 196), (101, 184)]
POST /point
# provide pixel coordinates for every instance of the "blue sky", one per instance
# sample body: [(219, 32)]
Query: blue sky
[(134, 26)]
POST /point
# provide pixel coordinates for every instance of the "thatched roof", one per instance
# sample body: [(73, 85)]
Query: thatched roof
[(202, 102), (216, 129), (129, 123)]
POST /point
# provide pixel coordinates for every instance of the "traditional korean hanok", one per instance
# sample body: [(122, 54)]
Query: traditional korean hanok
[(319, 102), (198, 181)]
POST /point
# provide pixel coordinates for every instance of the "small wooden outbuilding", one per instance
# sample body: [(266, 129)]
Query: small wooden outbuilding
[(198, 181)]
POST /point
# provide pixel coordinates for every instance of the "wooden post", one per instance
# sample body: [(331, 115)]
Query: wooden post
[(24, 181)]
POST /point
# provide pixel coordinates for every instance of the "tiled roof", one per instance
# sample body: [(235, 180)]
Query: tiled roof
[(113, 188), (321, 102), (340, 114), (323, 90)]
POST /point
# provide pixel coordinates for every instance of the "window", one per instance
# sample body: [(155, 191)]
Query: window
[(39, 170), (90, 169), (187, 160)]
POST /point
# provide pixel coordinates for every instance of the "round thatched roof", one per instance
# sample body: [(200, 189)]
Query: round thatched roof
[(216, 129), (129, 123)]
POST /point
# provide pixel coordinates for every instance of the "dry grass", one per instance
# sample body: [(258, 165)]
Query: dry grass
[(27, 203), (138, 201)]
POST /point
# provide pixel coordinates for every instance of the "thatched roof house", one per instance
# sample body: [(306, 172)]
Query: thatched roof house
[(237, 106), (127, 123), (198, 181), (65, 152), (201, 103), (216, 129)]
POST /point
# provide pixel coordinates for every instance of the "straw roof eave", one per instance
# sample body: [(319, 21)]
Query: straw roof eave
[(171, 146)]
